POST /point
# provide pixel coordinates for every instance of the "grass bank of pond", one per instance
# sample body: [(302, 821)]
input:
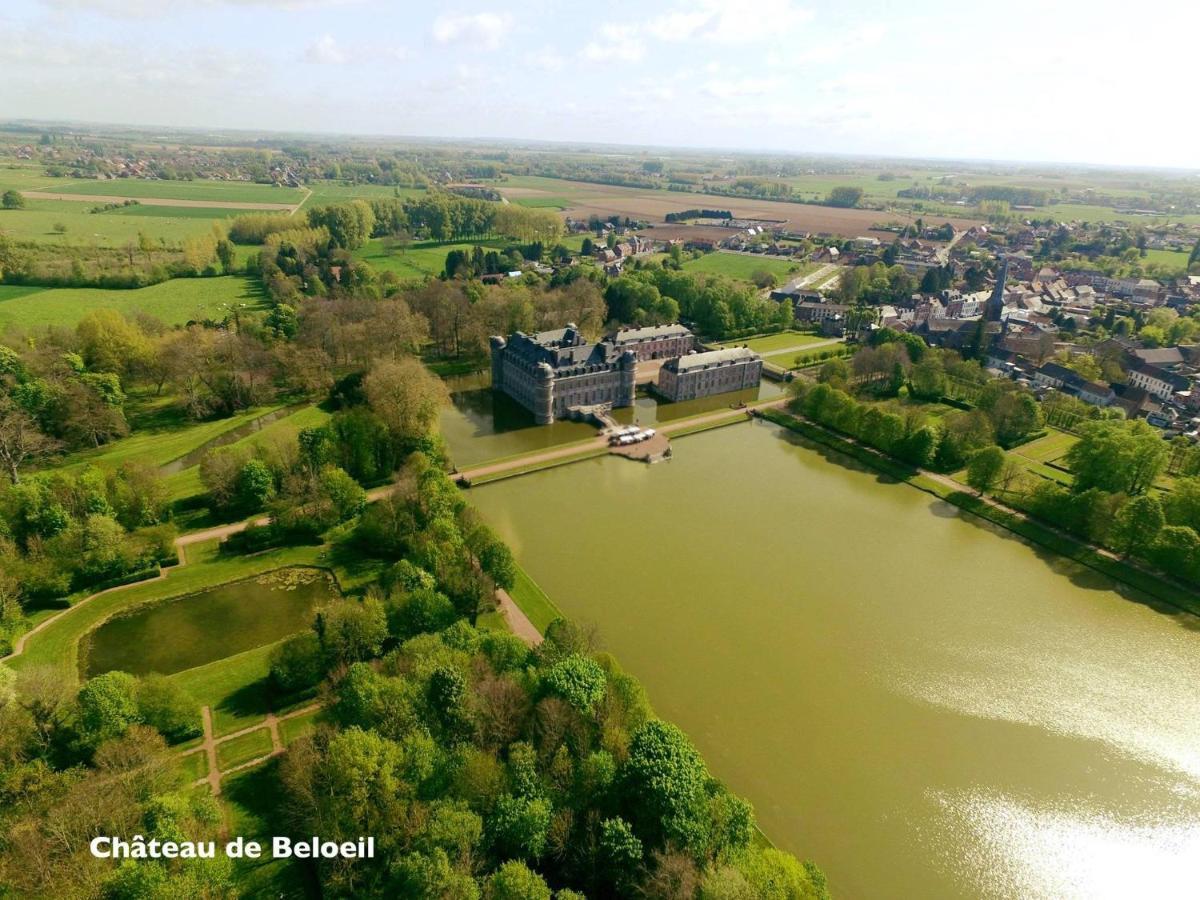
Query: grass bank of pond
[(919, 701)]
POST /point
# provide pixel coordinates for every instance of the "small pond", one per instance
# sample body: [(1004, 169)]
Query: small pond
[(184, 632)]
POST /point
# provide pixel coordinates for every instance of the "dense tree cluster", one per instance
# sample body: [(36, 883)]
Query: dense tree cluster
[(490, 770), (77, 763)]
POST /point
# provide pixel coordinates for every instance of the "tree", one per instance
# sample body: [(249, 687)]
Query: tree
[(20, 438), (165, 706), (516, 881), (519, 826), (255, 485), (578, 680), (406, 397), (107, 706), (351, 631), (1117, 456), (297, 663), (1137, 524), (984, 468), (844, 196), (664, 780), (12, 200)]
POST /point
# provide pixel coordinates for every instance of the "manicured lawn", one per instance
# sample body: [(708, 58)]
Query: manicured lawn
[(175, 302), (194, 765), (1049, 448), (743, 265), (234, 688), (533, 601), (298, 726), (243, 748), (773, 343)]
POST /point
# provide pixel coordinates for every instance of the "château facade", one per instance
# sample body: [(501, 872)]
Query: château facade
[(552, 372), (713, 372)]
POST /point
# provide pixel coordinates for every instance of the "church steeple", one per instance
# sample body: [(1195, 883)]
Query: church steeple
[(995, 304)]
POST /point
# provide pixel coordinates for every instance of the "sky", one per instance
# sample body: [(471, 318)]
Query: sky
[(1093, 81)]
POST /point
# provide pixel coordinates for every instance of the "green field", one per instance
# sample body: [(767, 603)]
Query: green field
[(420, 260), (742, 266), (194, 765), (543, 202), (1172, 259), (211, 191), (175, 302), (774, 343), (176, 212), (108, 229)]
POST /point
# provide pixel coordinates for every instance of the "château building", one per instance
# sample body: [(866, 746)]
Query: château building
[(550, 373), (713, 372)]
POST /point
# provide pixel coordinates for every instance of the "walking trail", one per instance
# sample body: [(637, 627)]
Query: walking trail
[(210, 743)]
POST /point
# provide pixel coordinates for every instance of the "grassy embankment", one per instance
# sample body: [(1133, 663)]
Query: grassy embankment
[(1064, 545)]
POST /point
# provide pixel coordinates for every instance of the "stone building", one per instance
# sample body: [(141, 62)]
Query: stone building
[(655, 341), (713, 372), (552, 373)]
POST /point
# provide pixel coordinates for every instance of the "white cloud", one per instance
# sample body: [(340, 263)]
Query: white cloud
[(547, 59), (486, 29), (325, 51), (727, 23), (139, 9), (618, 43), (730, 88)]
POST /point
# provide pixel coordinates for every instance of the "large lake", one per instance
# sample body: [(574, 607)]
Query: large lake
[(925, 706)]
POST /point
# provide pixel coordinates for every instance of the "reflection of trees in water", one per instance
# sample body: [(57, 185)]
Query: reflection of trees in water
[(491, 412)]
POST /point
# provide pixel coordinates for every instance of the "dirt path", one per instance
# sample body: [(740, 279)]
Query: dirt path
[(517, 621), (209, 748), (210, 743), (159, 201)]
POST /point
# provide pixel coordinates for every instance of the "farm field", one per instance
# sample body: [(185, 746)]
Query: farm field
[(647, 203), (38, 221), (234, 192), (175, 302), (742, 266)]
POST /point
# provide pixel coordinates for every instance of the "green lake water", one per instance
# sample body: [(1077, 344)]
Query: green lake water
[(190, 631), (481, 425), (925, 706)]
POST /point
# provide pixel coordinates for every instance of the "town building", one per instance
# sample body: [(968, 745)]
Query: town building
[(1157, 382), (713, 372), (557, 373)]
